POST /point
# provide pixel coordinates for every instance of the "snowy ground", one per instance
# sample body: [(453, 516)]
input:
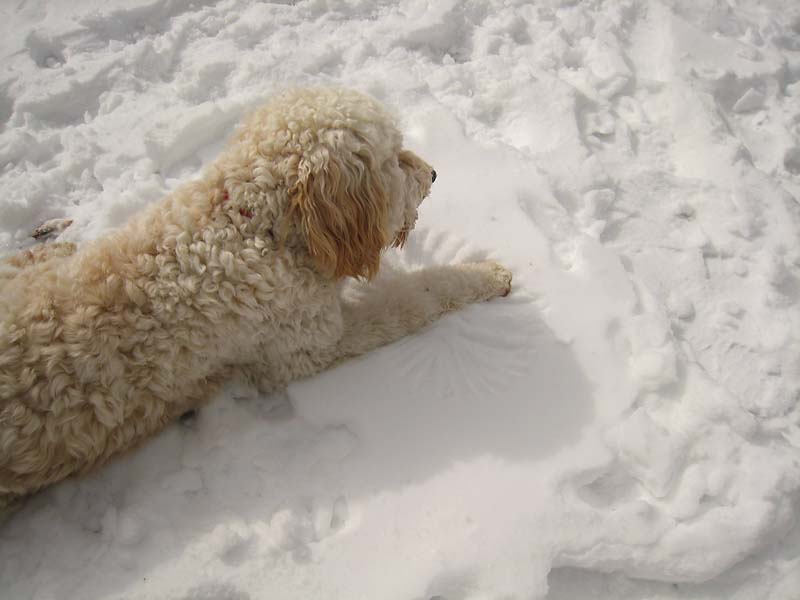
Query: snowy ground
[(624, 426)]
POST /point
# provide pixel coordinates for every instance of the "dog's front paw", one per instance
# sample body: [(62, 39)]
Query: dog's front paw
[(499, 278)]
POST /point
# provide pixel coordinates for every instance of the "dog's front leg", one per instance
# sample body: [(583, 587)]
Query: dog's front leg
[(402, 304), (381, 313)]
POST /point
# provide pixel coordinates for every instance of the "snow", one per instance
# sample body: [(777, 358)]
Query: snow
[(624, 426)]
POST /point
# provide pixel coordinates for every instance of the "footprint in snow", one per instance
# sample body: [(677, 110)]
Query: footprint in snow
[(294, 530)]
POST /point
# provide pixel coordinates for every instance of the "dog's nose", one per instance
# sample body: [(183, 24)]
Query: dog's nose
[(433, 175)]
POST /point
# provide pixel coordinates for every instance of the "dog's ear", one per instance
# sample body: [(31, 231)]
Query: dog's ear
[(342, 208)]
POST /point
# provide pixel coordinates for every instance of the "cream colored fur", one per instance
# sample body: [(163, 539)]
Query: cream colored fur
[(236, 273)]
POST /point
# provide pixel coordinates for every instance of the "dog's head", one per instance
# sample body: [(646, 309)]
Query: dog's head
[(352, 188)]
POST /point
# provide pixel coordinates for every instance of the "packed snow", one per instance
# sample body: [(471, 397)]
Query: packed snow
[(625, 425)]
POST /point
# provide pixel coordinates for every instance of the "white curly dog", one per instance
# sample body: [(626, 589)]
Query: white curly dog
[(236, 274)]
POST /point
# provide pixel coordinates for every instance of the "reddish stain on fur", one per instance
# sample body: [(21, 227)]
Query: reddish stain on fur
[(245, 212)]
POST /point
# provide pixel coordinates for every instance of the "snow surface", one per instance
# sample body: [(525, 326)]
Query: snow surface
[(624, 426)]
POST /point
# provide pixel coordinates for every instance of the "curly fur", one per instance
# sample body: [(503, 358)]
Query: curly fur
[(233, 274)]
